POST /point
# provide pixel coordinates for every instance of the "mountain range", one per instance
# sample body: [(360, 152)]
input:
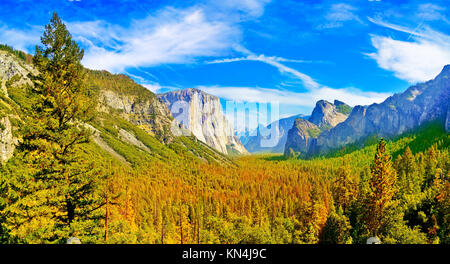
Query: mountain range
[(400, 113), (198, 117), (253, 141)]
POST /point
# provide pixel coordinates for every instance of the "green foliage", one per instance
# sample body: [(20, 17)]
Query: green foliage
[(344, 109), (313, 132), (118, 83), (51, 188), (336, 230)]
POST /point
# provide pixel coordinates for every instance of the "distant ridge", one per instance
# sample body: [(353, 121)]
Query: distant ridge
[(399, 113)]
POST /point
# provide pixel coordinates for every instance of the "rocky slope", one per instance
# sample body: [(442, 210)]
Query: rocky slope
[(201, 113), (131, 125), (282, 126), (13, 73), (137, 104), (400, 113), (302, 136)]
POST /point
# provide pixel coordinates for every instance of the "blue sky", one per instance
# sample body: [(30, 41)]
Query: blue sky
[(292, 52)]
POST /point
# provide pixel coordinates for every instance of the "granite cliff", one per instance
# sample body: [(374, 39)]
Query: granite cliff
[(302, 136), (201, 113)]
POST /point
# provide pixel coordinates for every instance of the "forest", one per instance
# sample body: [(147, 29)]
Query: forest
[(59, 184)]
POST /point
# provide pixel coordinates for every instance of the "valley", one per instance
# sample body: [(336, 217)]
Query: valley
[(94, 155)]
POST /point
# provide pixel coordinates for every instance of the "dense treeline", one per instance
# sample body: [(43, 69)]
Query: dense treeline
[(269, 201), (60, 184)]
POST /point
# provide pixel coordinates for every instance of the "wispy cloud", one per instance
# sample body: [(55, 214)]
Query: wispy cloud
[(351, 96), (24, 40), (261, 57), (308, 82), (337, 15), (315, 91), (253, 8), (414, 61), (172, 36), (431, 12)]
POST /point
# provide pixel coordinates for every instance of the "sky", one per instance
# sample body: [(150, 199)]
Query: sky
[(290, 52)]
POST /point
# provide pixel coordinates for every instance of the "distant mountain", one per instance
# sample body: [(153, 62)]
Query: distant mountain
[(325, 116), (253, 144), (201, 113), (419, 104)]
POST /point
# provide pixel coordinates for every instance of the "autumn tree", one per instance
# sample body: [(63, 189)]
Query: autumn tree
[(382, 189), (345, 189), (409, 180)]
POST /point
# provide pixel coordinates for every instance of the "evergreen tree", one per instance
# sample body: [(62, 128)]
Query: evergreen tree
[(53, 195), (345, 190), (336, 229)]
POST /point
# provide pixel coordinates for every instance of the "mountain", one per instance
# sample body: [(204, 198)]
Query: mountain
[(325, 116), (400, 113), (201, 113), (253, 143), (140, 107), (131, 126)]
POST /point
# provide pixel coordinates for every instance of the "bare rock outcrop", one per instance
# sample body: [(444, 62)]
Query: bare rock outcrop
[(201, 113)]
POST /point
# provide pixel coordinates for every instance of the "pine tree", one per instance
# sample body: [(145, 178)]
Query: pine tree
[(382, 189), (410, 182), (53, 195), (345, 190)]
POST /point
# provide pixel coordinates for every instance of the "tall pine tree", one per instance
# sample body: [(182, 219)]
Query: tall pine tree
[(53, 195)]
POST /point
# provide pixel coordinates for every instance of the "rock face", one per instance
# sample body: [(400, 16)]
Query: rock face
[(281, 127), (326, 115), (7, 140), (11, 66), (150, 113), (302, 136), (16, 72), (419, 104), (201, 113)]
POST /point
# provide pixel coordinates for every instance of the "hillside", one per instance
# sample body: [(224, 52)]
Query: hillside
[(130, 124)]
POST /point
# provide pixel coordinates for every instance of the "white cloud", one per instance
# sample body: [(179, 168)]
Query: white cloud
[(351, 96), (172, 36), (414, 61), (24, 40), (431, 12), (154, 87), (308, 82), (338, 14), (246, 115)]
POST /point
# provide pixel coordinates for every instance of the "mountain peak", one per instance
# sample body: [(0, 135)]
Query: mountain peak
[(327, 115), (445, 70)]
